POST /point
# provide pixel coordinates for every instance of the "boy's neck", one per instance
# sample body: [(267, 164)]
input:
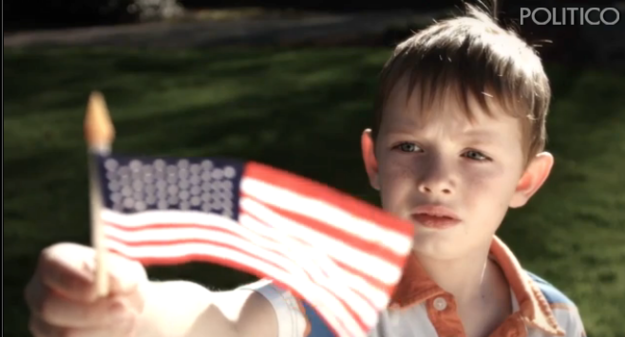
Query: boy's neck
[(469, 279)]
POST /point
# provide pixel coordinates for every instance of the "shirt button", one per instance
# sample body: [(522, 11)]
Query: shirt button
[(440, 304)]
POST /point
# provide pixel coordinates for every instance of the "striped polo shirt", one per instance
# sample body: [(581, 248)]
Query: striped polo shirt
[(421, 308)]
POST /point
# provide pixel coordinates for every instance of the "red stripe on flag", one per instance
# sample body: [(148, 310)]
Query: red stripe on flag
[(316, 190), (351, 240), (338, 264), (162, 226), (170, 242), (375, 283), (249, 269), (152, 226), (232, 264), (173, 260)]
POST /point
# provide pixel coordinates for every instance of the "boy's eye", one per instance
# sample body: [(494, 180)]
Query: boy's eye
[(475, 155), (408, 147)]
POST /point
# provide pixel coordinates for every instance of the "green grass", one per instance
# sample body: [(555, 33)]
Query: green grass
[(302, 111)]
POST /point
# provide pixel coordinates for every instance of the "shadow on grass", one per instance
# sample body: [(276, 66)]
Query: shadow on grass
[(302, 111)]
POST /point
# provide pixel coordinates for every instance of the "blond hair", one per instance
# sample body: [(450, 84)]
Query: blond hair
[(473, 57)]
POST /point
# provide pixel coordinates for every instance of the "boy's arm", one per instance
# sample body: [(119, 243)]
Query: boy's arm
[(62, 299), (574, 326), (186, 309)]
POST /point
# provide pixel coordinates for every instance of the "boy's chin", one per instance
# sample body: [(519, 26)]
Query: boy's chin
[(441, 246)]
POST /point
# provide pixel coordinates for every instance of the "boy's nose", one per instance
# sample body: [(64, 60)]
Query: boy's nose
[(436, 179), (435, 187)]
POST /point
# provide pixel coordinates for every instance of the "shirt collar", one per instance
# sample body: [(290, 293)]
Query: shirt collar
[(416, 287)]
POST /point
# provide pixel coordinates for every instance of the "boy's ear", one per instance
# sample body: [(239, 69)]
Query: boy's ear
[(533, 178), (368, 156)]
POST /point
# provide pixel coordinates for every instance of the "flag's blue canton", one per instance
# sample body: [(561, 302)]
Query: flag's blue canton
[(136, 184)]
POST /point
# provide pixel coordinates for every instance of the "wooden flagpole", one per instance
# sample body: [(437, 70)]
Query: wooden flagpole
[(99, 136)]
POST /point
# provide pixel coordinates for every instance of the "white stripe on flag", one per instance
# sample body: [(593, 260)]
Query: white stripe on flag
[(281, 253), (164, 217), (374, 266), (252, 242), (324, 271), (385, 271), (363, 261), (333, 312), (327, 213)]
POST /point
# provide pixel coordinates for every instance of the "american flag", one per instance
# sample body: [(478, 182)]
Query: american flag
[(341, 255)]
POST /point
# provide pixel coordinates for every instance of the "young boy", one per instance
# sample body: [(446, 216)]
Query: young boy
[(457, 139)]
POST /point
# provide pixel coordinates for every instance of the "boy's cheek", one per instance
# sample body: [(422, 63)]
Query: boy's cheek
[(398, 166), (394, 195), (490, 179)]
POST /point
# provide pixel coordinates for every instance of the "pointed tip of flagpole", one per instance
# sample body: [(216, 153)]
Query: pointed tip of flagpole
[(99, 130)]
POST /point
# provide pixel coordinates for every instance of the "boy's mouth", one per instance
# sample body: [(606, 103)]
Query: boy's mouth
[(435, 216)]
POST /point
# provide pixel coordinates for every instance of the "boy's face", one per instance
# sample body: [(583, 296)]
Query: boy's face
[(453, 178)]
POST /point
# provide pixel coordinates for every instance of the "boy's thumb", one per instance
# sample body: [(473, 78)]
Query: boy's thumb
[(124, 275)]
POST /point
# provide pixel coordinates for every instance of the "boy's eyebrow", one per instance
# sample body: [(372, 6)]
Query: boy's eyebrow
[(481, 135), (472, 133)]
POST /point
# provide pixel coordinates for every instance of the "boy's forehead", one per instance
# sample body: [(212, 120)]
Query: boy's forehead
[(418, 107), (405, 112)]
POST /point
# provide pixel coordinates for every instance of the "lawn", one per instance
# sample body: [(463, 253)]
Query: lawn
[(302, 111)]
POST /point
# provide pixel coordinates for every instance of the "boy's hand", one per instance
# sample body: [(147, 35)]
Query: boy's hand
[(63, 301)]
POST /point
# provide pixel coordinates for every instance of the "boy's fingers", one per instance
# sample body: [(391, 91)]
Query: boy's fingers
[(57, 310), (125, 275), (67, 269)]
